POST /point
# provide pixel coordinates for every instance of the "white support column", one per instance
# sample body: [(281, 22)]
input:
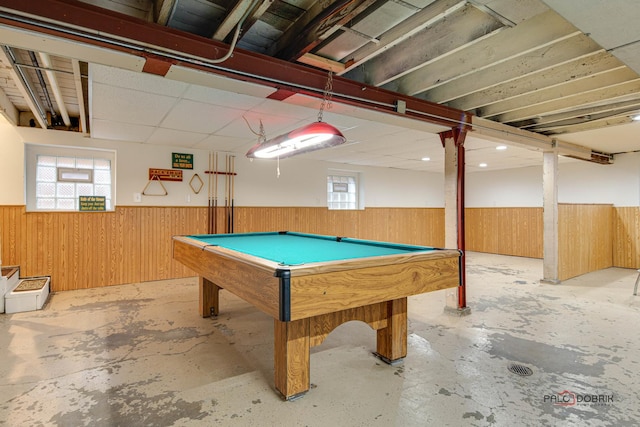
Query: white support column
[(550, 217)]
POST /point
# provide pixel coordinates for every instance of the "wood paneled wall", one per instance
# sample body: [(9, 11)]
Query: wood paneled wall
[(585, 234), (133, 244), (505, 231), (626, 237), (419, 226), (87, 250)]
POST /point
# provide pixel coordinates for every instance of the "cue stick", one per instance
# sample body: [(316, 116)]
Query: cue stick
[(215, 192), (228, 196), (233, 176), (210, 196)]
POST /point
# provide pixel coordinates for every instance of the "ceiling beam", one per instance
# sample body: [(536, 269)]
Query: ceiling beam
[(401, 32), (557, 77), (560, 103), (321, 62), (45, 60), (232, 18), (24, 86), (258, 11), (487, 80), (163, 10), (77, 80), (542, 30), (87, 25), (598, 111), (301, 39), (544, 94), (445, 36)]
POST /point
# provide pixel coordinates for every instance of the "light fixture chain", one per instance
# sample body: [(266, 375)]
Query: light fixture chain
[(327, 95)]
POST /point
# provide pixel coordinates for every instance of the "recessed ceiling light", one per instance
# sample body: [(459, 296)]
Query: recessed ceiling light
[(483, 165), (426, 159), (636, 118), (501, 147)]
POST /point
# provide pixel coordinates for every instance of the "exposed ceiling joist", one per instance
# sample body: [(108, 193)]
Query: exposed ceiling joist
[(320, 27), (470, 90), (24, 85), (417, 22)]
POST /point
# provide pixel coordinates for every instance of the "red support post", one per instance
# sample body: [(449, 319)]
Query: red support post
[(458, 134)]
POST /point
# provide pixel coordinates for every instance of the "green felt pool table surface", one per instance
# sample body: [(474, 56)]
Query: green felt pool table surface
[(290, 248)]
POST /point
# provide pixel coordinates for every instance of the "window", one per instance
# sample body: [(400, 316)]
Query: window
[(342, 190), (57, 177)]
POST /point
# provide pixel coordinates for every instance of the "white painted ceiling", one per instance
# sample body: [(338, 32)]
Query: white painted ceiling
[(142, 108)]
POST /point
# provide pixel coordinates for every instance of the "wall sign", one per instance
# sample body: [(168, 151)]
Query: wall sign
[(181, 161), (92, 203), (165, 174)]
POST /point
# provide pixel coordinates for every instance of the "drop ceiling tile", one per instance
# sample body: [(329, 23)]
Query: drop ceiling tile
[(199, 117), (128, 106), (272, 107), (219, 97), (107, 129), (203, 79), (142, 82), (224, 143), (180, 138), (273, 125)]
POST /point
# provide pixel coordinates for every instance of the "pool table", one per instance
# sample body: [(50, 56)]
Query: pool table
[(310, 284)]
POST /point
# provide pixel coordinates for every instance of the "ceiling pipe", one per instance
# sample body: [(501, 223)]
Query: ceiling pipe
[(77, 78), (43, 85), (55, 88), (24, 86)]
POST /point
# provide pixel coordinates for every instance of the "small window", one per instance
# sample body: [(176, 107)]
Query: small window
[(342, 190), (57, 177)]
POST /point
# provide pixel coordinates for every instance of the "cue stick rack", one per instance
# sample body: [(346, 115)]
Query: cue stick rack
[(229, 188)]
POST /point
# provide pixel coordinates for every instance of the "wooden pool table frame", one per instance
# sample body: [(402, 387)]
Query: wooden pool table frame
[(309, 301)]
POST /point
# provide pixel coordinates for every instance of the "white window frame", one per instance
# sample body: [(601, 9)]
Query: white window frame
[(32, 151), (338, 187)]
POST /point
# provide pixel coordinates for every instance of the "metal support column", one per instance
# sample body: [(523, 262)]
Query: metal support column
[(453, 143)]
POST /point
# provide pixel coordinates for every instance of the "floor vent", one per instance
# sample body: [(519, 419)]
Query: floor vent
[(521, 370)]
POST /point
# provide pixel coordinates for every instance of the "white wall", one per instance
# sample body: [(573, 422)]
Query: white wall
[(504, 188), (619, 183), (11, 165), (301, 182), (578, 182)]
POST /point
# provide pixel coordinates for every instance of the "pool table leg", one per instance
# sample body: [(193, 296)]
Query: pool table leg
[(392, 340), (209, 298), (291, 357)]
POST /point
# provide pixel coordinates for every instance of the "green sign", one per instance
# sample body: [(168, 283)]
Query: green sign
[(92, 203), (181, 161)]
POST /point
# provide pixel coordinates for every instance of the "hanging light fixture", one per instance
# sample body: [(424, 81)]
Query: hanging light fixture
[(311, 137)]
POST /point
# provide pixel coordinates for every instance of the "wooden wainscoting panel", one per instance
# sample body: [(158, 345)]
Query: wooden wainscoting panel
[(505, 231), (585, 238), (626, 237), (93, 249), (419, 226)]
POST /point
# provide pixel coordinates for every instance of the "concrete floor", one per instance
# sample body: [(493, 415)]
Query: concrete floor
[(139, 355)]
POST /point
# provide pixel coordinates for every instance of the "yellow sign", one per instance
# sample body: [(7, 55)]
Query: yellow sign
[(92, 203)]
